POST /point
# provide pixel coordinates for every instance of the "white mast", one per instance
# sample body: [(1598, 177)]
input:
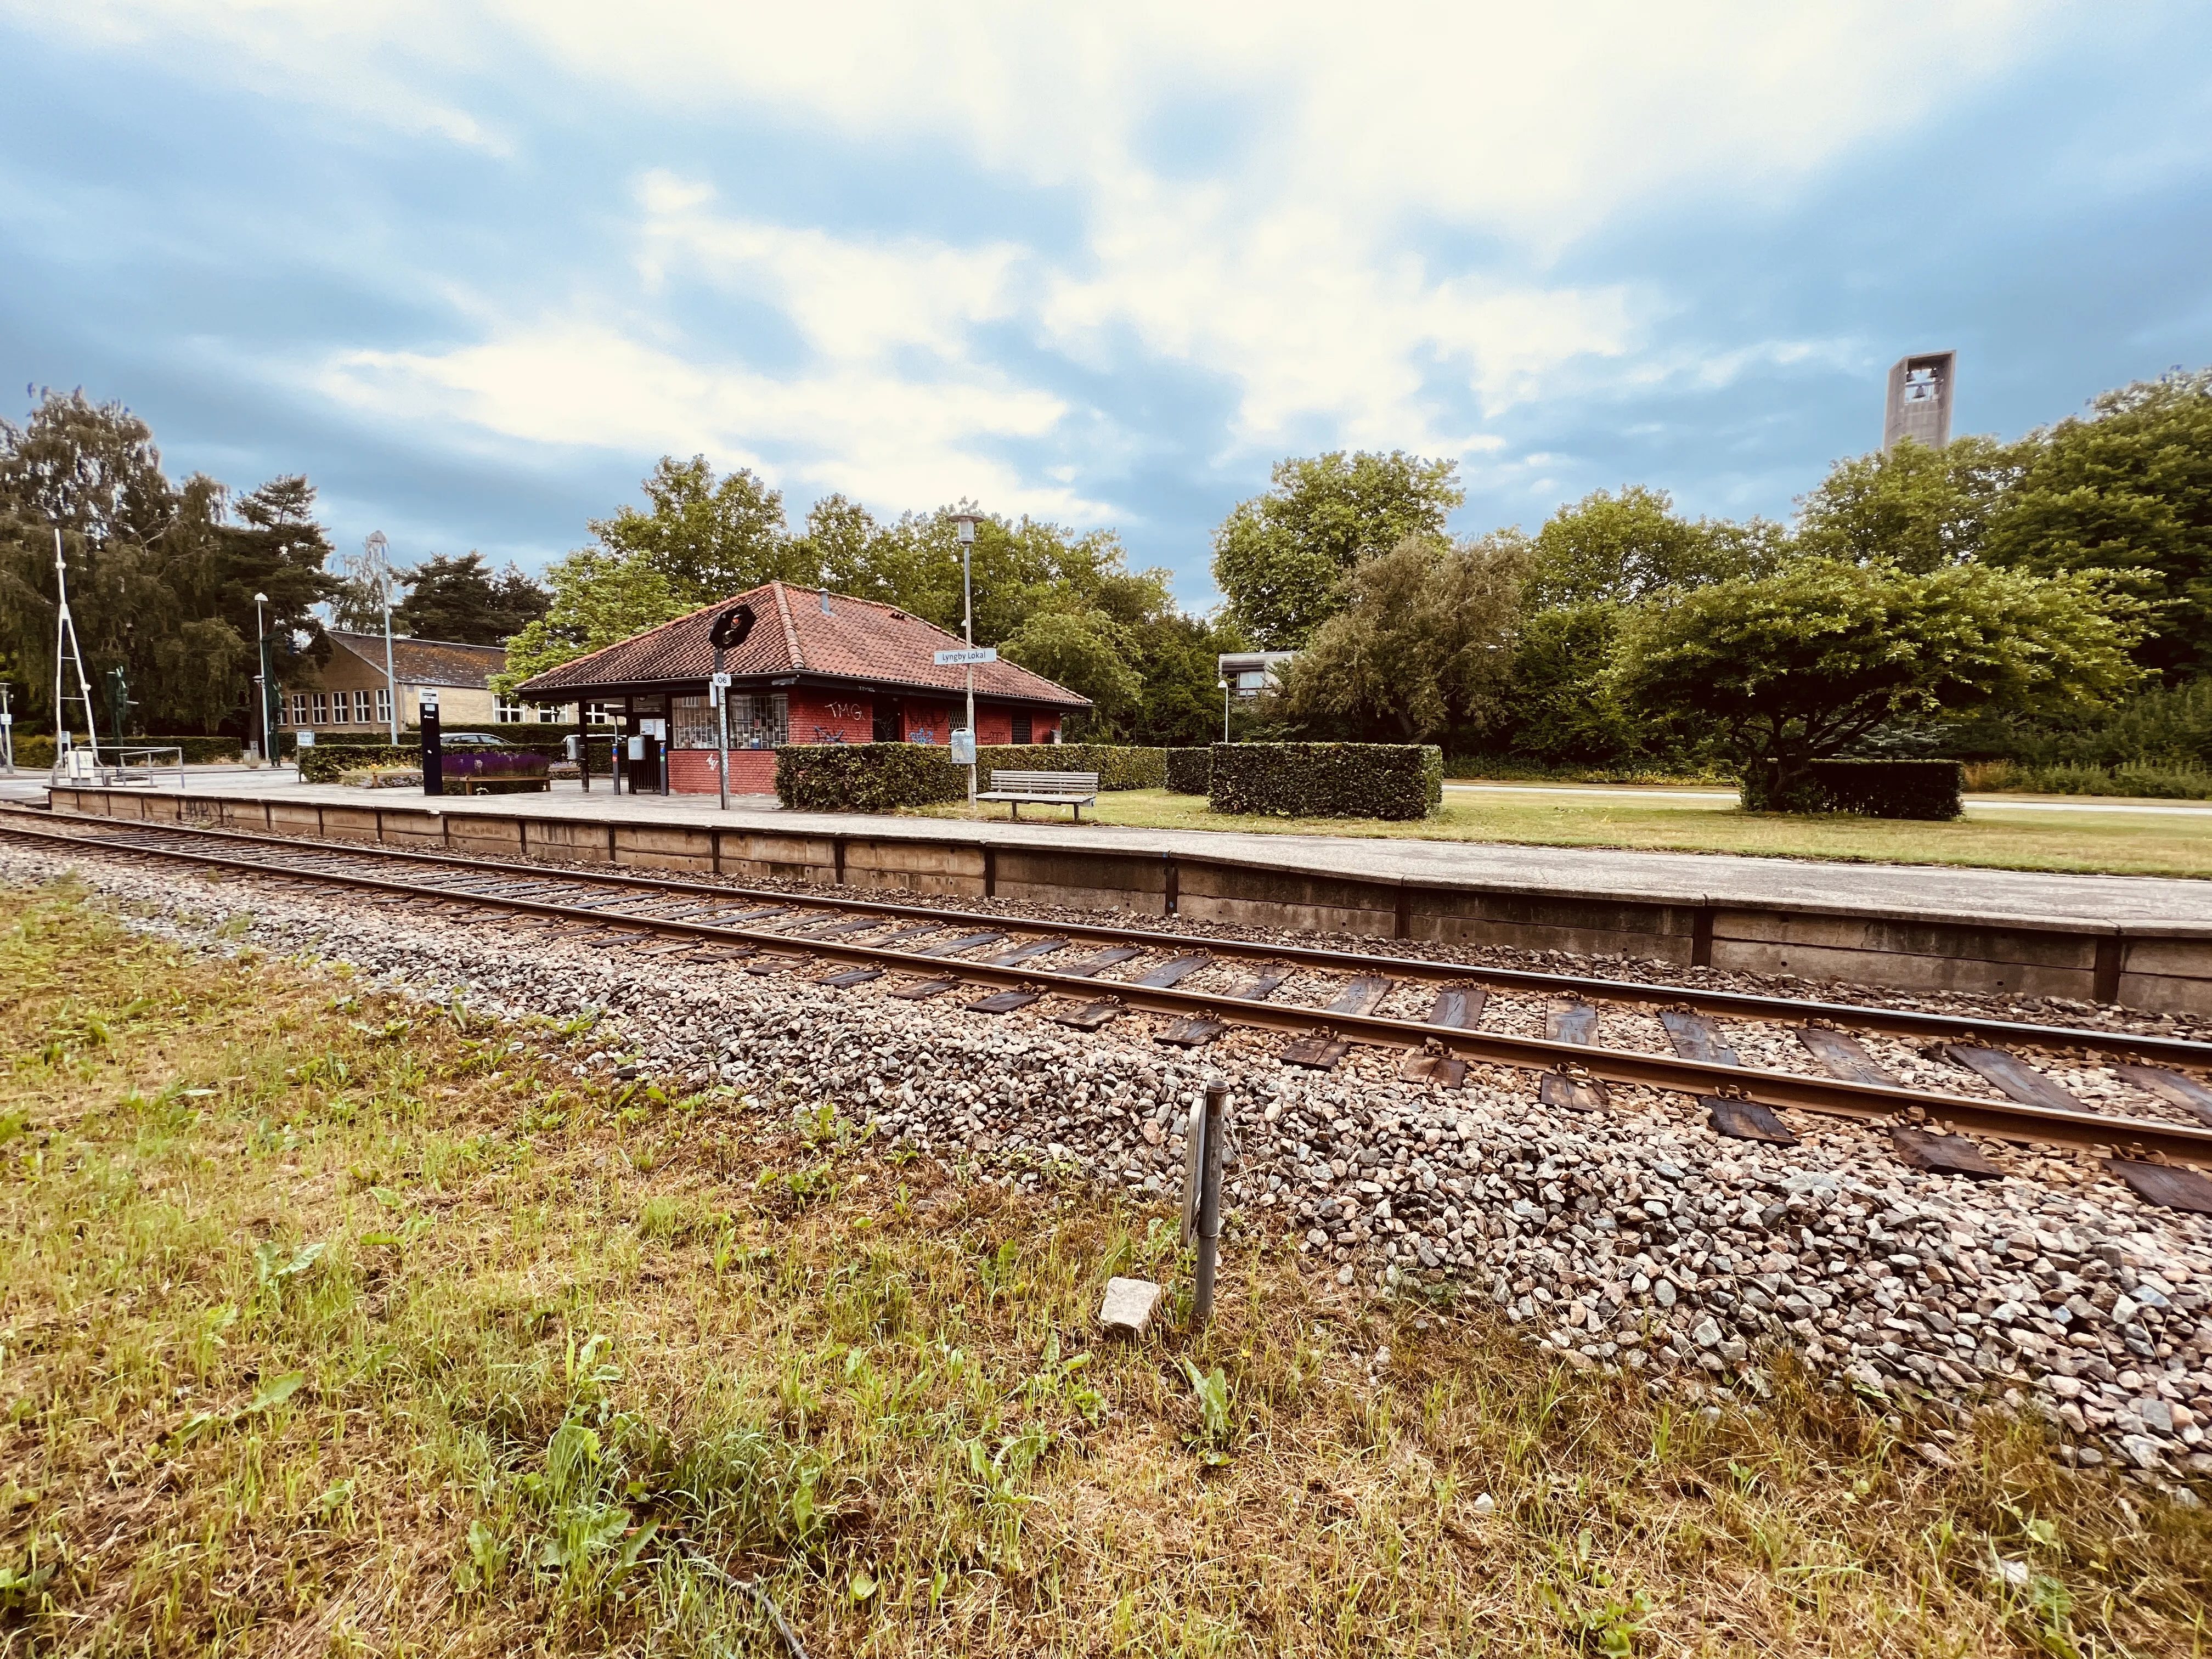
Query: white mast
[(67, 651)]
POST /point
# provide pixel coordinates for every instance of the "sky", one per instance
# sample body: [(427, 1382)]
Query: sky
[(472, 268)]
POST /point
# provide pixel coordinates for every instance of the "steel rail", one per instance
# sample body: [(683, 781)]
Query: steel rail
[(1835, 1096), (1741, 1004)]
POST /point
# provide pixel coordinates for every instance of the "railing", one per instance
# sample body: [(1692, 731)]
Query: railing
[(140, 768)]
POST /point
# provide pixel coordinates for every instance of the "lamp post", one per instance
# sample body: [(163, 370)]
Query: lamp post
[(966, 522), (261, 680), (1224, 710), (379, 571)]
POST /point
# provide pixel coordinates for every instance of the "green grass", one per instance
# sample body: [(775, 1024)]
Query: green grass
[(330, 1325), (1996, 837)]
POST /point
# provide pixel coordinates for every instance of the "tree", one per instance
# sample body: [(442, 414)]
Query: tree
[(1423, 647), (1282, 558), (2129, 488), (1561, 709), (460, 600), (1087, 651), (161, 576), (707, 539), (597, 598), (1915, 508), (1790, 668), (1619, 548)]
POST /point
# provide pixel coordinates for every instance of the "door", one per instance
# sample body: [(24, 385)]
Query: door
[(888, 727)]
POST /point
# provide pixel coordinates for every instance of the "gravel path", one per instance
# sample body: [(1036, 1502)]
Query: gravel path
[(1632, 1238)]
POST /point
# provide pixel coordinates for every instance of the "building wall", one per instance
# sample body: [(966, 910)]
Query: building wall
[(346, 674), (827, 715)]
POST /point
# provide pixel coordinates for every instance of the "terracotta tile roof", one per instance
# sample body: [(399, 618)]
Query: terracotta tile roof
[(855, 639), (426, 662)]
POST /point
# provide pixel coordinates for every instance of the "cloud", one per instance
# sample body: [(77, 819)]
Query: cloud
[(1374, 248)]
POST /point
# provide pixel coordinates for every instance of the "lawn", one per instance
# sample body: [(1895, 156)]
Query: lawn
[(334, 1324), (2005, 837)]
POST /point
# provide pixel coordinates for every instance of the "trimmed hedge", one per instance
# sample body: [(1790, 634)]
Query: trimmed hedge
[(1891, 789), (1119, 766), (1190, 771), (867, 777), (1327, 779)]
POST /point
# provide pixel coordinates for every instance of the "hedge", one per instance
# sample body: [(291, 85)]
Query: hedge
[(1119, 766), (866, 777), (1327, 779), (1890, 789), (1190, 771)]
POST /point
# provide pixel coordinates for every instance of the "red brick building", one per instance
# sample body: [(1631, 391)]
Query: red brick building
[(814, 667)]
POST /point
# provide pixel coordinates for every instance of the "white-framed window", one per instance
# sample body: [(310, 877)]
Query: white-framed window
[(383, 705), (506, 713), (299, 708), (322, 715), (600, 713), (361, 715)]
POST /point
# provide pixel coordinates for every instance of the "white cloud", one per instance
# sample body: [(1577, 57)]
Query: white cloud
[(1282, 260)]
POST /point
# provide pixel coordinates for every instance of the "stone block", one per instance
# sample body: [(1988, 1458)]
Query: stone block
[(1129, 1305)]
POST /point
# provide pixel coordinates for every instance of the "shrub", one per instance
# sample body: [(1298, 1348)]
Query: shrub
[(2156, 782), (867, 777), (324, 762), (1119, 766), (1877, 788), (1327, 779), (1190, 771)]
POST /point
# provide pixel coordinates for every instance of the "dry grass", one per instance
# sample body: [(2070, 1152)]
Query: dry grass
[(334, 1326), (2002, 837)]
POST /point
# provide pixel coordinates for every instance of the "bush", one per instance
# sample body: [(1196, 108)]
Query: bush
[(1190, 771), (2154, 782), (1877, 788), (867, 777), (1119, 766), (324, 762), (1327, 779)]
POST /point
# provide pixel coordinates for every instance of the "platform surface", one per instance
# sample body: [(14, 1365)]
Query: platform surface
[(1930, 892)]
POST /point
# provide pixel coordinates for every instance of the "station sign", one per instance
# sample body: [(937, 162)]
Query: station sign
[(963, 658)]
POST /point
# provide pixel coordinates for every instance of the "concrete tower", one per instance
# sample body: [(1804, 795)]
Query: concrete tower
[(1919, 406)]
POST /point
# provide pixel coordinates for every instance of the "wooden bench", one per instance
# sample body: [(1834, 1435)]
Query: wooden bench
[(1071, 789)]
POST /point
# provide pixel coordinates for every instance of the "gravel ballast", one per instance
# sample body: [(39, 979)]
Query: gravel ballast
[(1632, 1238)]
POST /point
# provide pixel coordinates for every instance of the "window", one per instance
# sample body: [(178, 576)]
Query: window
[(299, 708), (384, 705), (322, 708), (758, 723), (600, 713), (507, 714), (1021, 728), (692, 726), (361, 715)]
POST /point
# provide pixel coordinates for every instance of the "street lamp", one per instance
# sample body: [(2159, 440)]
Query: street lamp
[(379, 570), (1224, 709), (965, 522), (261, 680)]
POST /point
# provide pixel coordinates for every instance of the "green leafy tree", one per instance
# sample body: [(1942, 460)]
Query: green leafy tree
[(1423, 647), (598, 599), (161, 576), (2128, 488), (461, 600), (1282, 559), (708, 538), (1089, 652), (1620, 549), (1562, 709), (1790, 668), (1915, 508)]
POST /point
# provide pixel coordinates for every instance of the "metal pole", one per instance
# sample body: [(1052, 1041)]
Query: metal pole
[(584, 746), (1225, 711), (967, 631), (7, 732), (721, 731), (1209, 1203)]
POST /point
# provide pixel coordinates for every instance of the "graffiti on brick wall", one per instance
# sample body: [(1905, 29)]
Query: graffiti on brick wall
[(850, 712)]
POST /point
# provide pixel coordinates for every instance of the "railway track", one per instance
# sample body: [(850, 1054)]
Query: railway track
[(1327, 999)]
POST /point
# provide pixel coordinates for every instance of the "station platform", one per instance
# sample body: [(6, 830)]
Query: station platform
[(2140, 941)]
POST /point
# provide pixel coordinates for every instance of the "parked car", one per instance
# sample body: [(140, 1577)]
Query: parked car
[(466, 740)]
